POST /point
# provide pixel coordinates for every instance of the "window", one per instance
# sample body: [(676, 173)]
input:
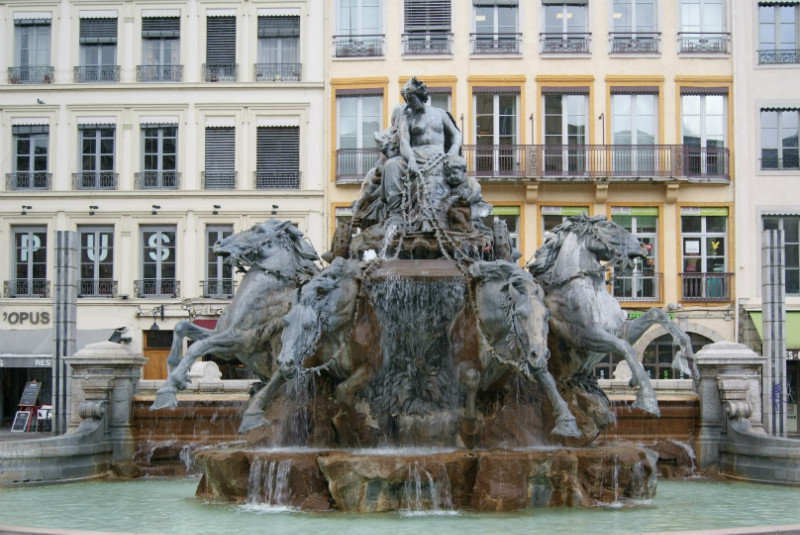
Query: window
[(158, 263), (553, 216), (440, 97), (96, 158), (640, 283), (634, 27), (607, 366), (278, 157), (31, 52), (791, 244), (565, 130), (160, 50), (30, 263), (704, 237), (220, 170), (97, 262), (219, 274), (30, 157), (634, 124), (278, 49), (496, 127), (159, 157), (779, 139), (509, 214), (98, 38), (565, 27), (704, 124), (358, 117), (496, 27), (220, 49), (659, 354), (777, 32), (358, 31), (427, 27), (703, 27)]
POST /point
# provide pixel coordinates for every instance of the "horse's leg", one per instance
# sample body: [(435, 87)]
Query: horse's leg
[(360, 378), (566, 426), (470, 379), (184, 329), (636, 327), (253, 416)]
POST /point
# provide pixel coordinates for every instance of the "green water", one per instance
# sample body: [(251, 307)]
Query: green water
[(169, 506)]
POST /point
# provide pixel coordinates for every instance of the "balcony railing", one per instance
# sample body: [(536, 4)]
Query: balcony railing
[(787, 162), (97, 288), (565, 43), (278, 72), (157, 288), (358, 46), (26, 288), (158, 179), (30, 75), (790, 55), (703, 42), (277, 179), (96, 74), (218, 179), (641, 287), (706, 287), (218, 288), (220, 72), (634, 42), (95, 180), (352, 164), (706, 162), (24, 180), (495, 44), (159, 73), (428, 44)]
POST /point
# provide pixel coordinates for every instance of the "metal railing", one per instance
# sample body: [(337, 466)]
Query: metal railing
[(226, 72), (565, 42), (96, 73), (95, 180), (26, 288), (218, 179), (158, 179), (706, 287), (157, 288), (277, 179), (428, 44), (277, 72), (634, 42), (790, 55), (639, 287), (775, 163), (22, 180), (494, 44), (358, 46), (218, 288), (97, 288), (706, 162), (352, 164), (159, 73), (704, 42), (30, 75)]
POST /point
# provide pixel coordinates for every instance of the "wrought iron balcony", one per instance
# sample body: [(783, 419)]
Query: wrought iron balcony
[(428, 44), (277, 179), (24, 180), (352, 164), (96, 74), (704, 42), (358, 46), (157, 288), (33, 74), (495, 44), (770, 163), (706, 287), (706, 162), (634, 42), (565, 43), (26, 288), (93, 180), (97, 288), (278, 72), (227, 72), (159, 73), (158, 179), (218, 288), (218, 179), (786, 55), (638, 287)]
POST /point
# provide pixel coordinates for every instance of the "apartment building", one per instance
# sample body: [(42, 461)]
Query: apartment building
[(622, 108), (151, 129)]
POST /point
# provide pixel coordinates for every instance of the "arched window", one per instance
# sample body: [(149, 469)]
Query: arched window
[(657, 358), (605, 368)]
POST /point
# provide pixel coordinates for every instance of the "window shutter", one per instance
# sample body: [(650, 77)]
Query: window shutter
[(278, 160), (220, 150), (278, 26), (26, 129), (427, 15), (161, 27), (98, 31), (221, 40), (496, 2)]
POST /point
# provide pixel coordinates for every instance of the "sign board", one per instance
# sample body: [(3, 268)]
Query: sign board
[(30, 394), (18, 361), (21, 420)]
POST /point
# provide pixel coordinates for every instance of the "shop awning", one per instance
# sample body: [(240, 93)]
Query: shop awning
[(31, 348), (792, 327), (206, 324)]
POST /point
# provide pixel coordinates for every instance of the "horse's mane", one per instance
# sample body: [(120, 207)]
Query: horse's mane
[(298, 261), (546, 254)]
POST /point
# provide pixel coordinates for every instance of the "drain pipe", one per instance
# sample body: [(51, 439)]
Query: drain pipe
[(774, 322)]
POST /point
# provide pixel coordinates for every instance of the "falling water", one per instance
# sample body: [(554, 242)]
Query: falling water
[(296, 425), (425, 496), (268, 483), (188, 460)]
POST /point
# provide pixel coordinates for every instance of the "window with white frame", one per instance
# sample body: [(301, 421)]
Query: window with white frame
[(565, 130), (779, 146), (634, 27), (220, 63), (219, 274), (704, 235), (634, 127), (158, 265), (703, 131), (98, 39), (509, 215), (358, 117), (160, 50), (640, 282), (30, 151), (359, 30), (278, 48), (220, 165), (703, 27), (552, 216), (30, 262), (440, 97), (778, 32), (31, 52), (278, 157), (790, 225), (96, 157), (496, 129), (96, 262), (565, 26), (426, 28), (159, 157), (496, 27)]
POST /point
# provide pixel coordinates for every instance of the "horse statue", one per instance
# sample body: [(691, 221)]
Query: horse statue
[(584, 316), (512, 324), (276, 260)]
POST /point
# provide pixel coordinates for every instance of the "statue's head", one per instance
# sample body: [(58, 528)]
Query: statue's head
[(415, 87)]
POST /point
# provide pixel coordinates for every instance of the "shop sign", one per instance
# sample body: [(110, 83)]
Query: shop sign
[(20, 318), (8, 361), (793, 354)]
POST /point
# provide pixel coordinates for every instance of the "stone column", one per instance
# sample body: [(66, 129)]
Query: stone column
[(773, 304), (65, 311)]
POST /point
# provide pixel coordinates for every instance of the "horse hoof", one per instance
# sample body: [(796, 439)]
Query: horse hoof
[(252, 421), (166, 398), (566, 427), (647, 403)]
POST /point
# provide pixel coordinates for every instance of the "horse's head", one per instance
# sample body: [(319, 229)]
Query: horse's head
[(612, 243)]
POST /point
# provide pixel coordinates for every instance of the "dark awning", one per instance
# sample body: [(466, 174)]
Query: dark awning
[(22, 349)]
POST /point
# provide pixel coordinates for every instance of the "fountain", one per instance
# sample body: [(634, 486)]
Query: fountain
[(423, 369)]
